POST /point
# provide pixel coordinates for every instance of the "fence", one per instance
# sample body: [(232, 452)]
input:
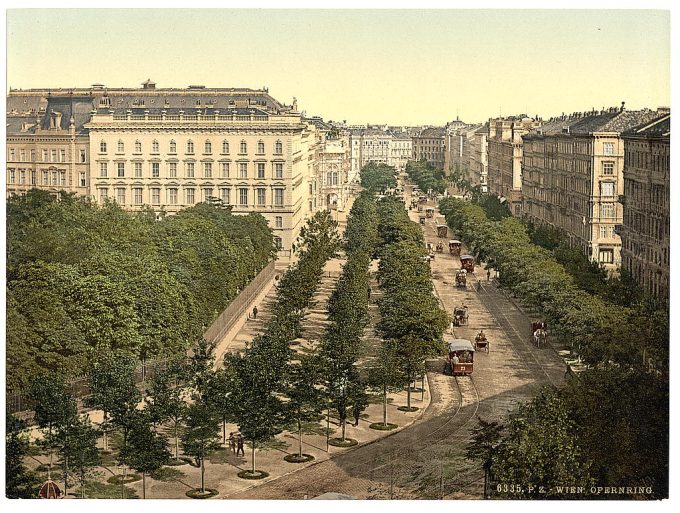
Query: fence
[(79, 387), (240, 304)]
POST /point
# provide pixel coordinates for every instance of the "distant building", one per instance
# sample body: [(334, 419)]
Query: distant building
[(572, 176), (645, 234), (47, 147), (466, 150), (334, 161), (400, 150), (429, 145), (505, 157), (380, 145)]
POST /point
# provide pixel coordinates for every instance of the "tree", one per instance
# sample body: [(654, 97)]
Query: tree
[(305, 400), (541, 450), (79, 448), (55, 411), (166, 401), (200, 437), (486, 439), (220, 394), (20, 483), (385, 375), (146, 450), (113, 390)]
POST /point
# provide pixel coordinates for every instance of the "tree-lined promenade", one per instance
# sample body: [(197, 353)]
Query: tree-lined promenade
[(179, 416)]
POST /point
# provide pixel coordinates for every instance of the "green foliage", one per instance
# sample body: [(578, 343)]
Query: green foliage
[(426, 176), (200, 437), (540, 451), (146, 450), (83, 277), (53, 405), (78, 449), (20, 483), (378, 177)]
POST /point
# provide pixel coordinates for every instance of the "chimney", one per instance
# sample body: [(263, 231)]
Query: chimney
[(623, 106), (148, 84)]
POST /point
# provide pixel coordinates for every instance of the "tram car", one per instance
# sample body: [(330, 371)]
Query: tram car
[(429, 212), (467, 262), (454, 247), (460, 360), (442, 231)]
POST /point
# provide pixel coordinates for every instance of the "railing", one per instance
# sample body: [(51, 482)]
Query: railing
[(79, 387)]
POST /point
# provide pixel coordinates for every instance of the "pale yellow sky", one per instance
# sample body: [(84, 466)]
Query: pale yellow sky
[(398, 66)]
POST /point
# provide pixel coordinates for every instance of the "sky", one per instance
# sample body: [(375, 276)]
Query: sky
[(401, 67)]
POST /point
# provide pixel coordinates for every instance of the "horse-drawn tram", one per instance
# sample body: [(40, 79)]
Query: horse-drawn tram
[(442, 230), (429, 212), (467, 262), (461, 355)]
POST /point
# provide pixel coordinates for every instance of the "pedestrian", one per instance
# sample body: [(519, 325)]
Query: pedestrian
[(232, 443), (255, 312), (479, 286), (239, 445), (488, 274)]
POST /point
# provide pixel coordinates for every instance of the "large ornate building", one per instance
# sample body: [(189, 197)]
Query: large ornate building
[(172, 148), (645, 234), (572, 175), (466, 150)]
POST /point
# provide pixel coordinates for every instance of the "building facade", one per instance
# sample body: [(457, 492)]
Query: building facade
[(645, 234), (334, 165), (428, 145), (504, 171), (45, 147), (572, 176), (172, 148), (400, 151)]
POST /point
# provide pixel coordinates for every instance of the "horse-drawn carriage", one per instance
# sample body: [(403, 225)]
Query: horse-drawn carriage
[(481, 342), (422, 219), (454, 247), (460, 315), (539, 332), (467, 262), (440, 247), (460, 359), (442, 230), (461, 278), (429, 212)]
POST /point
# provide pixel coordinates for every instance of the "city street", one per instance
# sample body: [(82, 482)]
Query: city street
[(427, 459)]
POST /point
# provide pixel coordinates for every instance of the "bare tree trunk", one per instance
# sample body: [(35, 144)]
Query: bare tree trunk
[(253, 456), (408, 396), (202, 475), (300, 437), (176, 443), (143, 485), (82, 484), (344, 421), (224, 431), (384, 405)]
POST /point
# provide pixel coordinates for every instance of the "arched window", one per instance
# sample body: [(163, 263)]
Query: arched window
[(138, 147), (207, 147), (173, 146), (335, 178), (154, 146), (243, 148), (260, 147), (121, 146), (329, 178), (102, 147), (190, 146), (225, 146), (278, 148)]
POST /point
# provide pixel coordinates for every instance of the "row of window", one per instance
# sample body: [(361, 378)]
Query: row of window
[(172, 196), (207, 147), (52, 155), (49, 177), (190, 170)]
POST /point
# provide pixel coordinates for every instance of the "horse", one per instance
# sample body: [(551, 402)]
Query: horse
[(539, 337)]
